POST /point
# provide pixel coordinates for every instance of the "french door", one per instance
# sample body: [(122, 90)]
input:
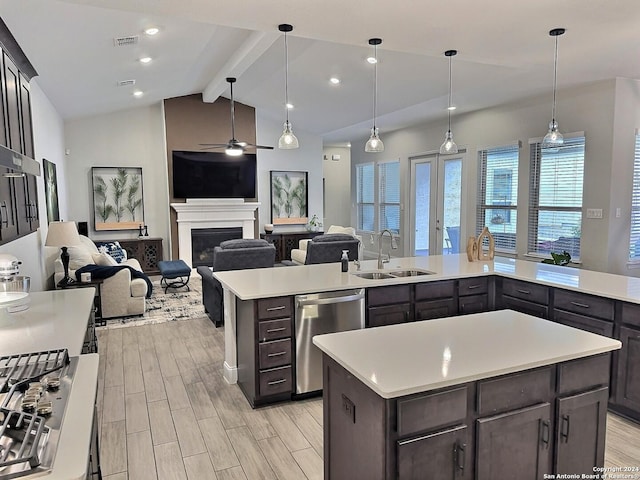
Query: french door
[(436, 192)]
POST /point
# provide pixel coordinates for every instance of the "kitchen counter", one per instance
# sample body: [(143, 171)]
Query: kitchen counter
[(414, 357), (55, 319)]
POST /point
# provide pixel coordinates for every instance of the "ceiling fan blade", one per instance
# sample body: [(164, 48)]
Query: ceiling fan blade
[(219, 145), (264, 147), (212, 147)]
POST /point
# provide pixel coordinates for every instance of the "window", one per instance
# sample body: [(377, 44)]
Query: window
[(378, 208), (389, 196), (555, 202), (634, 244), (498, 195), (365, 194)]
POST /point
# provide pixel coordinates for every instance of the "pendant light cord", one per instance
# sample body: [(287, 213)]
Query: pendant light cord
[(555, 81), (233, 114), (375, 84), (450, 84), (286, 76)]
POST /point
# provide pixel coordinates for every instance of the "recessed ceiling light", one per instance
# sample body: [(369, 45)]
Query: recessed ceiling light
[(452, 107), (372, 60), (334, 80), (152, 30), (138, 93), (145, 60), (289, 106)]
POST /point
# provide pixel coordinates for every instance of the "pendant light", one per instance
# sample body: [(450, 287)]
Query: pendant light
[(554, 138), (374, 144), (449, 146), (287, 140)]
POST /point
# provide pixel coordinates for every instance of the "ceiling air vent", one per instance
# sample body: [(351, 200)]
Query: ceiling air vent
[(124, 41), (126, 83)]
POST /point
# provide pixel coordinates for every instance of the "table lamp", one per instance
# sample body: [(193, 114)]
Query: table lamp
[(63, 235)]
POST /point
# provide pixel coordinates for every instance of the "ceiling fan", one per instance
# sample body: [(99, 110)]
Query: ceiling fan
[(233, 147)]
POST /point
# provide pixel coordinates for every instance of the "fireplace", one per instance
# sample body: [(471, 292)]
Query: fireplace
[(212, 214), (203, 240)]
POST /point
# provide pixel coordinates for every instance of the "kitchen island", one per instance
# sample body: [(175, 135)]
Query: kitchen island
[(485, 396)]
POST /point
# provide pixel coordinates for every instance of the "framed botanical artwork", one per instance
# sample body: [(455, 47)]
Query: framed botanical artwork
[(51, 190), (289, 196), (117, 198)]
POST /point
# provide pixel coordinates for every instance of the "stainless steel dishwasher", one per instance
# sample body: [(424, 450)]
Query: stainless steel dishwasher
[(318, 314)]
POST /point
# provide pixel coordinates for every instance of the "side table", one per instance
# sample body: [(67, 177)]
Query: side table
[(97, 301), (286, 241)]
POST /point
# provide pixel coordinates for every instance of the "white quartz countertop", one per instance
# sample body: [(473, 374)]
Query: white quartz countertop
[(70, 462), (55, 319), (415, 357), (294, 280)]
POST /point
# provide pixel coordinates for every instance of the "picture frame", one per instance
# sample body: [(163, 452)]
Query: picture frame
[(118, 201), (289, 197), (51, 190)]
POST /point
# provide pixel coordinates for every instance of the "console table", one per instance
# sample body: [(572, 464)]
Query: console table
[(147, 250), (287, 241)]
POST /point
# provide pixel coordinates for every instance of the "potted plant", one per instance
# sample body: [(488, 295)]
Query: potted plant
[(314, 224)]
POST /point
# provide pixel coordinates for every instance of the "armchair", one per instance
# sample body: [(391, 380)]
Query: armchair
[(121, 295), (232, 255)]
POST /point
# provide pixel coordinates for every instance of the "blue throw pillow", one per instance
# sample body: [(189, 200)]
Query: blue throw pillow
[(113, 249)]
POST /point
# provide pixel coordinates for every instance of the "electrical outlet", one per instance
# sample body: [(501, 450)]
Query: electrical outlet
[(594, 213), (348, 408)]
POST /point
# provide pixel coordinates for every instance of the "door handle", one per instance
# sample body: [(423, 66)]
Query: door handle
[(544, 433), (460, 456), (564, 428)]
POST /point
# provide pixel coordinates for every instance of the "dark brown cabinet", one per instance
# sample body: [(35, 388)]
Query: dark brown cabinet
[(627, 393), (12, 104), (523, 297), (287, 241), (473, 295), (435, 300), (388, 305), (147, 250), (8, 220)]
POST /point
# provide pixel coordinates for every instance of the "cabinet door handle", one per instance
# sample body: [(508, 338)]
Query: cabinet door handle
[(4, 207), (472, 287), (544, 433), (276, 354), (460, 455), (524, 292), (564, 428), (406, 316), (581, 305), (276, 382), (273, 330), (274, 309)]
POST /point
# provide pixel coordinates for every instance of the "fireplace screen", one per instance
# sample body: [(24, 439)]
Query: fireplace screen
[(203, 240)]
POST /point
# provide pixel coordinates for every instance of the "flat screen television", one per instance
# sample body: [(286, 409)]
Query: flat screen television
[(213, 175)]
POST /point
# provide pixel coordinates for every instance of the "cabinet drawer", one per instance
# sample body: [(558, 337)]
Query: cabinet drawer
[(274, 329), (589, 324), (584, 304), (524, 306), (584, 373), (472, 286), (275, 354), (278, 307), (433, 290), (389, 315), (428, 412), (445, 307), (473, 304), (525, 291), (277, 380), (388, 295), (631, 314), (515, 391)]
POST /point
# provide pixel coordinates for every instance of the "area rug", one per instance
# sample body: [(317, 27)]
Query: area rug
[(176, 304)]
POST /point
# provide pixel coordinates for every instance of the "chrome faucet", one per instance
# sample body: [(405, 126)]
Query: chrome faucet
[(382, 261)]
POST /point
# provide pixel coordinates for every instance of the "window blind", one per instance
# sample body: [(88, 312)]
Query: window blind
[(389, 196), (634, 243), (365, 196), (498, 195), (555, 201)]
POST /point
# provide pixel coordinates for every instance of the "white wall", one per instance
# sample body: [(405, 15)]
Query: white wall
[(48, 139), (337, 186), (307, 158), (128, 138), (588, 108)]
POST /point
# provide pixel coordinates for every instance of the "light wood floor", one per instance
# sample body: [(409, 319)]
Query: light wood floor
[(165, 412)]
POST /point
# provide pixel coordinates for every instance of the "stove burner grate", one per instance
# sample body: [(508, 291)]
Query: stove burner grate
[(17, 369), (21, 434)]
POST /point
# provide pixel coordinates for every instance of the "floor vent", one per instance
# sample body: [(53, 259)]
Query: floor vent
[(126, 83), (124, 41)]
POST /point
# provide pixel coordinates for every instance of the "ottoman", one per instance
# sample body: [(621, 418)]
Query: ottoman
[(175, 274)]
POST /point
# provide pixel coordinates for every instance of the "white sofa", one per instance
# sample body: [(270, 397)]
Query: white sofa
[(299, 255), (120, 295)]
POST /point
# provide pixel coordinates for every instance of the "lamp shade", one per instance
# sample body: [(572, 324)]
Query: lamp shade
[(62, 234)]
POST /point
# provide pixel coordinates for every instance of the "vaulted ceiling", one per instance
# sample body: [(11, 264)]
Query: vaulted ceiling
[(504, 48)]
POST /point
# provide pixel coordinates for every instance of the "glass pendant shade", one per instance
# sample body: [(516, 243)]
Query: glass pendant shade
[(374, 144), (288, 140), (448, 146), (554, 138)]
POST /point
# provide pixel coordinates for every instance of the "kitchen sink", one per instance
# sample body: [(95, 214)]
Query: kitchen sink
[(410, 273), (373, 275)]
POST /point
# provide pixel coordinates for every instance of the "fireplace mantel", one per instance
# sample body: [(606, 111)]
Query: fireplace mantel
[(209, 213)]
